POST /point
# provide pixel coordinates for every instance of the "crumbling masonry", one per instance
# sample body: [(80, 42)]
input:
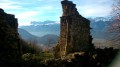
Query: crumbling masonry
[(9, 38), (75, 31)]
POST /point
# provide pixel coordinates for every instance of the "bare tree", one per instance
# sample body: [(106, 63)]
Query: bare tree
[(115, 23), (116, 9)]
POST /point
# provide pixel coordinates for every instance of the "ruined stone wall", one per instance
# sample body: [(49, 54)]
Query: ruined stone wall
[(9, 39), (9, 19), (75, 31)]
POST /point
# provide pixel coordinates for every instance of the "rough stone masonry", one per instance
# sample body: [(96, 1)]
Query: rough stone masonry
[(75, 31), (9, 39)]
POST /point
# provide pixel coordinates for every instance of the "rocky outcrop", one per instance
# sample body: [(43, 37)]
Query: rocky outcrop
[(75, 31), (9, 40), (9, 19)]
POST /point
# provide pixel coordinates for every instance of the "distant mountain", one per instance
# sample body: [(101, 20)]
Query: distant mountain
[(44, 40), (44, 22), (48, 39), (26, 35), (99, 30), (99, 27), (43, 28)]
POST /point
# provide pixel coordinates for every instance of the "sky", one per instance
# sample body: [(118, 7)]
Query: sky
[(42, 10)]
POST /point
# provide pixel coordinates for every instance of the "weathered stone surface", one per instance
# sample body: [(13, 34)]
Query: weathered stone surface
[(75, 31), (9, 39), (9, 19)]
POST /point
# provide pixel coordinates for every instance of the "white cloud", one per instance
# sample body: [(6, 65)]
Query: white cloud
[(23, 23), (40, 0), (26, 14), (25, 18), (8, 4), (45, 8), (31, 10), (48, 0), (94, 11)]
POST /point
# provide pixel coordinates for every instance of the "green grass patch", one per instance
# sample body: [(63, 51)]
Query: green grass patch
[(43, 55)]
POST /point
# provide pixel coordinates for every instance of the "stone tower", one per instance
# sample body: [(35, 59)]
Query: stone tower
[(75, 31)]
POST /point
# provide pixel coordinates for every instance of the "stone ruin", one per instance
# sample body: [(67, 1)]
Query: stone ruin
[(9, 19), (75, 31), (10, 51)]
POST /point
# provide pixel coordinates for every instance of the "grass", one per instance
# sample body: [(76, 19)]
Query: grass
[(43, 55)]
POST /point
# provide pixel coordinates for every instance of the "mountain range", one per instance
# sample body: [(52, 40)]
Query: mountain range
[(41, 31), (49, 39), (99, 27), (43, 28)]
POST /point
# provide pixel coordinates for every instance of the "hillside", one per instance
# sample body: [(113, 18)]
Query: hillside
[(43, 40), (26, 35)]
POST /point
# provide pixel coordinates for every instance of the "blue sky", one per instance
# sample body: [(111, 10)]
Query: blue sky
[(41, 10)]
